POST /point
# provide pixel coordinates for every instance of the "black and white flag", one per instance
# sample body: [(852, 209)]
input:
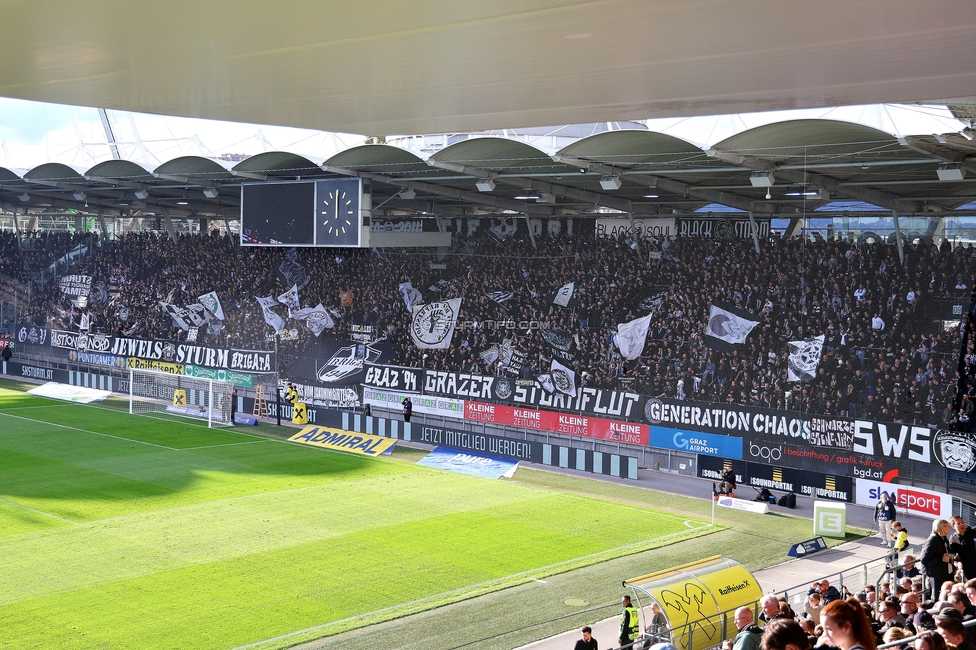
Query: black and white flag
[(271, 318), (411, 296), (563, 344), (804, 358), (76, 288), (501, 297), (563, 378), (191, 334), (727, 326), (177, 314), (85, 322), (212, 303), (565, 296), (631, 336), (290, 299), (290, 273), (316, 318), (432, 327)]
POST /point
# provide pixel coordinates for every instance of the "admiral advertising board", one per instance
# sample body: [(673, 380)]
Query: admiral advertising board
[(917, 501)]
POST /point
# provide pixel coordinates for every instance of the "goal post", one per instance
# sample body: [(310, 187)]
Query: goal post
[(154, 391)]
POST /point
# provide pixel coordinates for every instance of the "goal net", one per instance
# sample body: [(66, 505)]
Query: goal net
[(152, 391)]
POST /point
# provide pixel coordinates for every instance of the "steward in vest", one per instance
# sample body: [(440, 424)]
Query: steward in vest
[(629, 625)]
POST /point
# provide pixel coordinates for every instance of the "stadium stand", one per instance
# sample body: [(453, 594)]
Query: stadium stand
[(901, 370)]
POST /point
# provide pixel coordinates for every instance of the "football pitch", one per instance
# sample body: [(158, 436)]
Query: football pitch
[(121, 531)]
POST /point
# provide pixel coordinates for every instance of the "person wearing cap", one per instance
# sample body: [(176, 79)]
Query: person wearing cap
[(962, 542), (587, 642), (629, 625)]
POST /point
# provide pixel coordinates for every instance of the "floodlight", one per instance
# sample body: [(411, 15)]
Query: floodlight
[(408, 193), (951, 172), (546, 197), (610, 183), (485, 185), (528, 194), (80, 196), (25, 197), (762, 179), (142, 194), (211, 192)]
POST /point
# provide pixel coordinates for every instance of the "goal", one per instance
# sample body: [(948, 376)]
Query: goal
[(153, 391)]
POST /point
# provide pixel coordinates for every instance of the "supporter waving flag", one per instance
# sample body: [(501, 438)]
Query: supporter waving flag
[(631, 336), (804, 358), (565, 296), (212, 303), (271, 318), (411, 296), (563, 379), (290, 298), (728, 326)]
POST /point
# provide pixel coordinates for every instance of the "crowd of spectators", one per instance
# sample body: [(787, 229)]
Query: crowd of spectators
[(886, 356)]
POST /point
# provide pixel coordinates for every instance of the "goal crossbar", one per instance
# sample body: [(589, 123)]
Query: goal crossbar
[(155, 391)]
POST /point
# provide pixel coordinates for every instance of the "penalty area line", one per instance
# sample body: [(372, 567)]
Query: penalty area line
[(40, 512)]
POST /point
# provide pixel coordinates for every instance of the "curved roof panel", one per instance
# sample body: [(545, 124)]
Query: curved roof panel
[(7, 175), (380, 158), (193, 166), (278, 163), (121, 169), (814, 140), (629, 148), (53, 172), (496, 153)]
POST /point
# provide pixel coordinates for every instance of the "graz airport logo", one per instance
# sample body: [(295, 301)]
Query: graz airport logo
[(433, 323), (503, 389), (954, 450)]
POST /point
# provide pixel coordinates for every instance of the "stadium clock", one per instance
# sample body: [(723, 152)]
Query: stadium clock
[(337, 212)]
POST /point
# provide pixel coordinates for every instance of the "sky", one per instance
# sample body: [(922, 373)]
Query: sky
[(33, 133)]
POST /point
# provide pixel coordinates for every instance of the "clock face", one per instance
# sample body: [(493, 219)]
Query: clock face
[(337, 213)]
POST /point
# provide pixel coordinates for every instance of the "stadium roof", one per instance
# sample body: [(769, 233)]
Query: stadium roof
[(802, 165), (432, 67)]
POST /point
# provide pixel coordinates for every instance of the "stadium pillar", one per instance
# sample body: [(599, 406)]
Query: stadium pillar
[(755, 231), (528, 224), (901, 249)]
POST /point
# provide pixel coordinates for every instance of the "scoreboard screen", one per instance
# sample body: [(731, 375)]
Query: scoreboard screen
[(302, 213)]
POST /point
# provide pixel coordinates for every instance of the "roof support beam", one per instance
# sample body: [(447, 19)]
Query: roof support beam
[(939, 151), (450, 192), (675, 187), (574, 193), (860, 193)]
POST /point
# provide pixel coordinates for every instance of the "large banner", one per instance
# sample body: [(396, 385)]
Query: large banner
[(917, 501), (783, 479), (151, 350), (32, 335), (656, 229), (722, 228)]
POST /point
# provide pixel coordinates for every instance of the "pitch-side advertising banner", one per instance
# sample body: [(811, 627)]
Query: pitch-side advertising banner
[(917, 501), (564, 423), (342, 440), (429, 404)]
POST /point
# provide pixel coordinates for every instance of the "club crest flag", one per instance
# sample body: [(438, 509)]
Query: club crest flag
[(316, 318), (728, 326), (271, 318), (290, 298), (411, 296), (345, 297), (804, 358), (212, 303), (433, 324), (563, 379), (176, 314), (631, 336)]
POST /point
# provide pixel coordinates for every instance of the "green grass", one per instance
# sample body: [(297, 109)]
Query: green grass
[(133, 532)]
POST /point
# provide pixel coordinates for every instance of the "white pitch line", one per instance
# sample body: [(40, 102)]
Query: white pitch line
[(541, 582), (229, 444), (40, 512), (94, 433)]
